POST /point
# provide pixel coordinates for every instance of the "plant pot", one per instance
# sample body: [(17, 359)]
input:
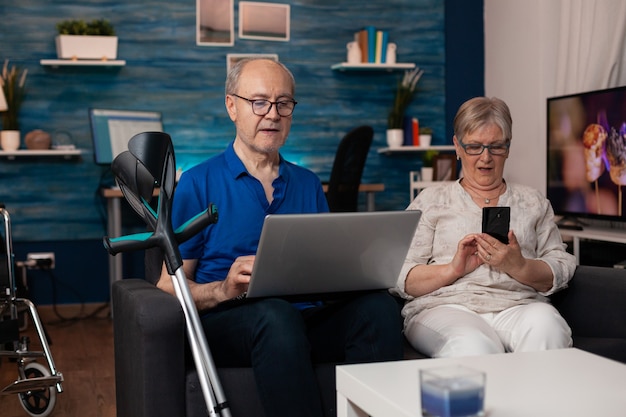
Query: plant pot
[(395, 138), (427, 174), (425, 140), (10, 140), (86, 47)]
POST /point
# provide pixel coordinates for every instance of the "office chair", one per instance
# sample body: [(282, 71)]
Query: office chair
[(345, 177)]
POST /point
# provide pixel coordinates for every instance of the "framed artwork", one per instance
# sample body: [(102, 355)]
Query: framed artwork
[(232, 59), (215, 23), (444, 168), (264, 21)]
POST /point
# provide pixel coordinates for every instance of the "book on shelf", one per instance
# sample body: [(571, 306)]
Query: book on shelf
[(373, 45), (362, 36), (415, 129), (408, 131), (378, 47), (410, 126), (383, 46)]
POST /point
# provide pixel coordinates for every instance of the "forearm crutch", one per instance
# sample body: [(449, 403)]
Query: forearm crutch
[(150, 162)]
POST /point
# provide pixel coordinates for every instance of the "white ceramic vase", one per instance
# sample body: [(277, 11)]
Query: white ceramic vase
[(354, 53), (390, 57), (425, 140), (395, 138), (10, 140), (427, 174)]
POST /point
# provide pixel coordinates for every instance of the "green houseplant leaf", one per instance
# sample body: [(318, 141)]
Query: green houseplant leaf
[(13, 85), (405, 91), (96, 27)]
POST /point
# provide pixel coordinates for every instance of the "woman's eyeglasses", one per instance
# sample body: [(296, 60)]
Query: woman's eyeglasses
[(501, 148)]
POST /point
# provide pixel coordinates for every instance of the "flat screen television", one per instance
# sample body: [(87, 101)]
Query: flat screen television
[(586, 169), (112, 129)]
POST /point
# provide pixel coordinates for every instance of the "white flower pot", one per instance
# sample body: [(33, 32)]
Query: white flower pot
[(10, 140), (395, 138), (86, 47), (425, 140), (427, 174)]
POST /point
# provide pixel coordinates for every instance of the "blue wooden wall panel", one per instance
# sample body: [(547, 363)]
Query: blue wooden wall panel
[(56, 200)]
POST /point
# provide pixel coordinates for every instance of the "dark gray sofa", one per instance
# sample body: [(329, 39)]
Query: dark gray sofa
[(155, 376)]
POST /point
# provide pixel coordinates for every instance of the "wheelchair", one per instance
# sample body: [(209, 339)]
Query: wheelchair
[(37, 385)]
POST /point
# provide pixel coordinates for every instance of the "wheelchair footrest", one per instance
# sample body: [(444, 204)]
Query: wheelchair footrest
[(32, 384)]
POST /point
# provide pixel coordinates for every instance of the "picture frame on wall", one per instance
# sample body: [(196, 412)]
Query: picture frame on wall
[(444, 167), (215, 23), (232, 59), (264, 21)]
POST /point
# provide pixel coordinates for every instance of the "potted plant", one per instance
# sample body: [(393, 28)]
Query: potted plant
[(78, 39), (13, 87), (427, 164), (405, 91), (426, 136)]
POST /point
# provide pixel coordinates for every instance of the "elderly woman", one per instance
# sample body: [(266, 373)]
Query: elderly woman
[(466, 292)]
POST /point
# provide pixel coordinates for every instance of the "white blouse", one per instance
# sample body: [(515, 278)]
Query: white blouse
[(449, 214)]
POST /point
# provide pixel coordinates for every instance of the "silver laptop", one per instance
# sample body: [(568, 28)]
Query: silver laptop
[(329, 253)]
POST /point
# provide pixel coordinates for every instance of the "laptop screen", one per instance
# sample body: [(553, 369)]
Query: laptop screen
[(112, 129)]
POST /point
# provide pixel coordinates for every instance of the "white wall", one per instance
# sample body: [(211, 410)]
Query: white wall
[(517, 64), (525, 46)]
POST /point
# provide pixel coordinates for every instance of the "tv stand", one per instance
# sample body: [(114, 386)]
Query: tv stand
[(571, 223), (592, 233)]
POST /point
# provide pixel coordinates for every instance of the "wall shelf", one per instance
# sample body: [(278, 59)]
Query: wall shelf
[(63, 153), (344, 66), (81, 63), (409, 149)]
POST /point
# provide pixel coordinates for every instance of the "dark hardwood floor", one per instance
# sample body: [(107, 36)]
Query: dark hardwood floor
[(82, 350)]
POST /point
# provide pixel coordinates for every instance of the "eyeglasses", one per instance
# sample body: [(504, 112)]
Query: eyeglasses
[(261, 107), (501, 148)]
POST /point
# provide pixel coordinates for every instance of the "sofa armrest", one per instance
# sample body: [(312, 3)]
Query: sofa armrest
[(149, 333), (593, 304)]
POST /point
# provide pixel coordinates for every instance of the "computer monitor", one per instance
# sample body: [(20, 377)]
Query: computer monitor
[(112, 129)]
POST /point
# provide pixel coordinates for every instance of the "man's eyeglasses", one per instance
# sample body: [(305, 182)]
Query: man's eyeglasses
[(261, 107), (501, 148)]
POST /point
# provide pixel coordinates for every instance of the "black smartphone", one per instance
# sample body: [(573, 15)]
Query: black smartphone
[(496, 222)]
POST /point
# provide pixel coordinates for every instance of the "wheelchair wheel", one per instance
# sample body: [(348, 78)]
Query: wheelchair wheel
[(40, 402)]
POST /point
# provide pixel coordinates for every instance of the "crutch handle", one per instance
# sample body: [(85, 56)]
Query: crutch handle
[(147, 240), (137, 241), (197, 223)]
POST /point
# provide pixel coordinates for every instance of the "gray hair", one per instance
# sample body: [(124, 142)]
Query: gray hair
[(232, 79), (480, 111)]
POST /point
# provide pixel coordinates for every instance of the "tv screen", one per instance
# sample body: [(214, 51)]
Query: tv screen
[(587, 154), (112, 129)]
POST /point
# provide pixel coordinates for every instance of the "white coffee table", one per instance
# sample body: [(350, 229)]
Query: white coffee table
[(556, 383)]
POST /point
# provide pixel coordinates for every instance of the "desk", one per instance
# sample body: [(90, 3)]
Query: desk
[(114, 219), (564, 382), (369, 190), (593, 233)]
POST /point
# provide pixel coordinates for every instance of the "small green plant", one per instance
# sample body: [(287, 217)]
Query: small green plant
[(405, 90), (97, 27), (426, 131), (429, 158)]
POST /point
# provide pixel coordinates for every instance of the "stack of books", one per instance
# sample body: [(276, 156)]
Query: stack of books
[(411, 131), (373, 44)]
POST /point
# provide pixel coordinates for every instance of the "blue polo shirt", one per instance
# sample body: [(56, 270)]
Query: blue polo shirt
[(242, 207)]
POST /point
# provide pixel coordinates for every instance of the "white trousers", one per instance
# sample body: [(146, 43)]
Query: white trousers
[(454, 330)]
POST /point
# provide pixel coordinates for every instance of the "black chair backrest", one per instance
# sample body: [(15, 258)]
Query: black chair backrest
[(345, 177)]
